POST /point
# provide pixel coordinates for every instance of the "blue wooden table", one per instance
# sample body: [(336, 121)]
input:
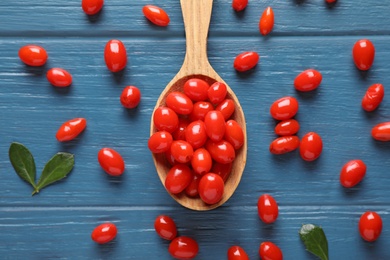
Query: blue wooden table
[(57, 223)]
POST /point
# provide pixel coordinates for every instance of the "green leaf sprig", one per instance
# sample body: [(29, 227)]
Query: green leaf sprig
[(315, 240), (57, 168)]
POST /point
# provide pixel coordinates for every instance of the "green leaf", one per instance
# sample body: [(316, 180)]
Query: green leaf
[(55, 169), (315, 240), (23, 162)]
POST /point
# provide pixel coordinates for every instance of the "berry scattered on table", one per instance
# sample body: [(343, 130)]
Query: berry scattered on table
[(370, 226), (111, 161), (267, 208), (311, 146), (381, 132), (237, 253), (373, 97), (104, 233), (284, 108), (270, 251), (352, 173), (33, 55), (59, 77), (71, 129), (308, 80), (92, 7), (267, 20), (156, 15), (130, 97), (284, 144), (239, 5), (246, 61), (115, 55), (287, 127), (363, 53), (183, 247), (165, 227)]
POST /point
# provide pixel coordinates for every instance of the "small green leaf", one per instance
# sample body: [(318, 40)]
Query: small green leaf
[(23, 162), (315, 240), (55, 169)]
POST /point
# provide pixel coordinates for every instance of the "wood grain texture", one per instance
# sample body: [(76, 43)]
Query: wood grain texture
[(307, 34)]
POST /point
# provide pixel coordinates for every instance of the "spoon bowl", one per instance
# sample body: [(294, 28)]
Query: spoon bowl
[(196, 15)]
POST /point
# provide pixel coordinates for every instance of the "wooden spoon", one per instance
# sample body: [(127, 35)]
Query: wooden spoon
[(196, 15)]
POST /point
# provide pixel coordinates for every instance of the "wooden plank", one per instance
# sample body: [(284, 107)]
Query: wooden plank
[(64, 233), (32, 111), (118, 18)]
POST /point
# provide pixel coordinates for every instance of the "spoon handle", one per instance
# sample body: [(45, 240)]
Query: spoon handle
[(196, 16)]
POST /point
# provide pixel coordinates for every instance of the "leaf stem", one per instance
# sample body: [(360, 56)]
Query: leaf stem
[(36, 190)]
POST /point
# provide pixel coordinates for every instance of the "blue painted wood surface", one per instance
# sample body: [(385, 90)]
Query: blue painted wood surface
[(56, 224)]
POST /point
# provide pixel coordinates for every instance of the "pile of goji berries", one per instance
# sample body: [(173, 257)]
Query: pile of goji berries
[(197, 135)]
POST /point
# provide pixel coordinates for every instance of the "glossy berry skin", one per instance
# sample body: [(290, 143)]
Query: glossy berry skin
[(267, 21), (91, 7), (196, 134), (160, 142), (130, 97), (222, 169), (217, 92), (237, 253), (284, 144), (115, 55), (287, 127), (234, 134), (373, 97), (111, 161), (178, 178), (267, 209), (363, 53), (215, 125), (226, 107), (370, 226), (183, 248), (104, 233), (239, 5), (311, 146), (192, 188), (246, 61), (59, 77), (196, 89), (165, 227), (330, 1), (284, 108), (179, 103), (156, 15), (71, 129), (182, 151), (381, 132), (33, 55), (201, 161), (308, 80), (222, 151), (211, 187), (352, 173), (200, 110), (270, 251), (165, 119)]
